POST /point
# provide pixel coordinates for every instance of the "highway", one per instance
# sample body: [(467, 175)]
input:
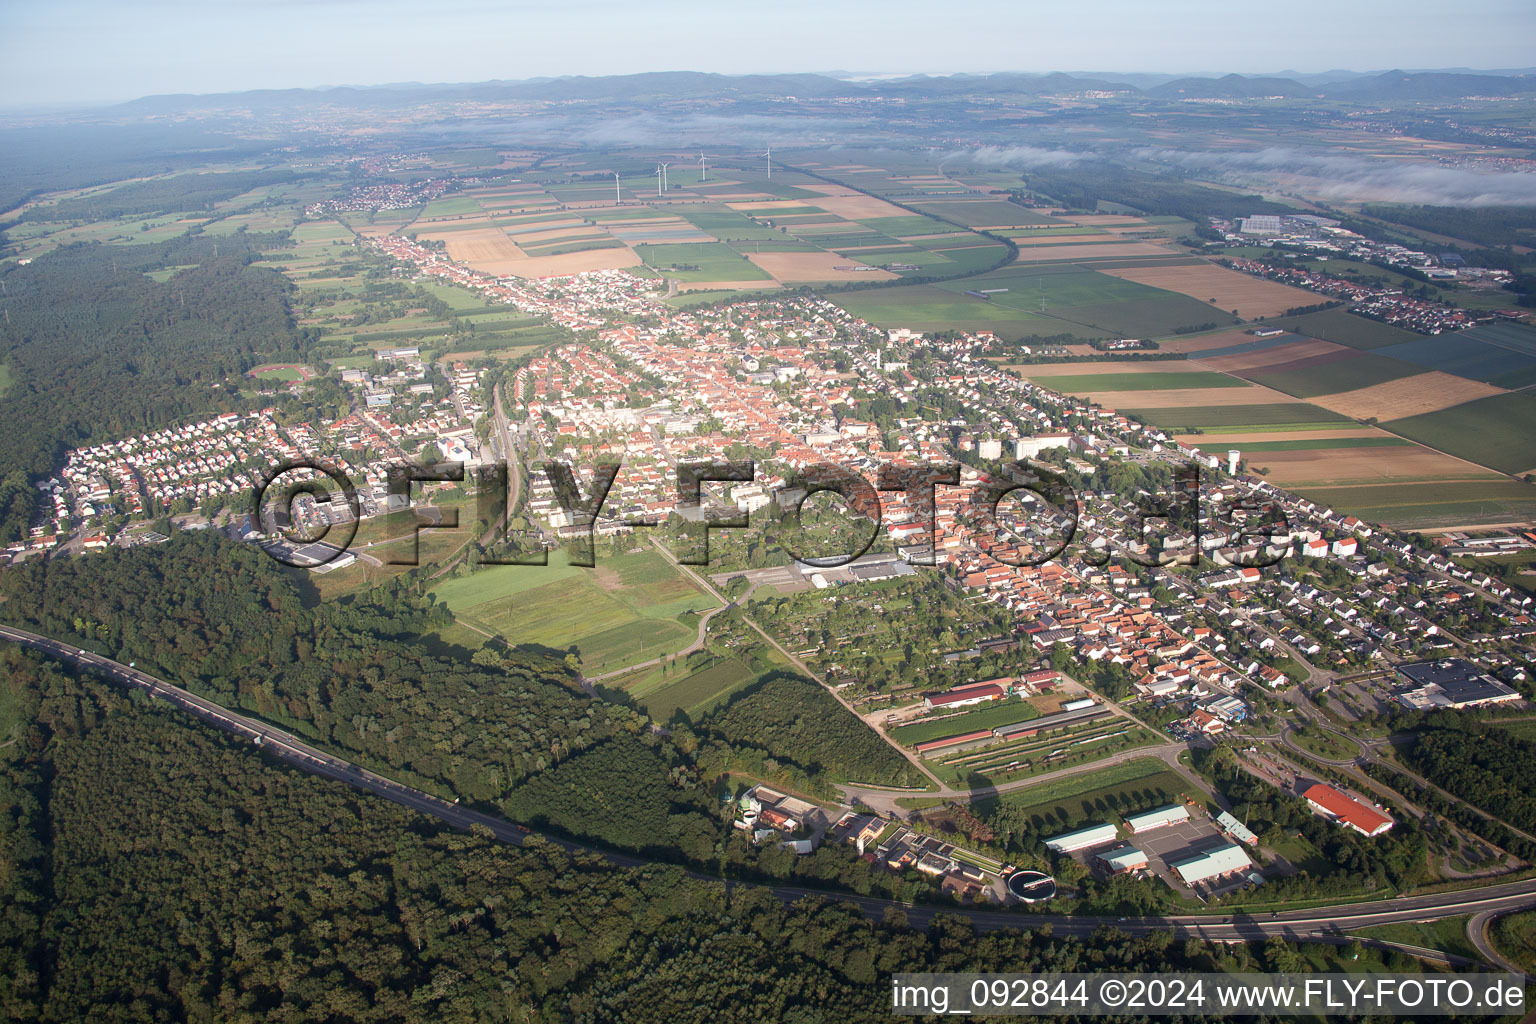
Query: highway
[(1322, 923)]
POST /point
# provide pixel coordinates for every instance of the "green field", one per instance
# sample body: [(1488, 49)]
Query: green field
[(1238, 417), (1081, 383), (1456, 503), (715, 261), (1092, 794), (979, 213), (272, 373), (1522, 728), (1006, 713), (1515, 937), (628, 609), (1034, 299), (1327, 378), (1345, 328), (1448, 936), (1498, 431), (694, 693)]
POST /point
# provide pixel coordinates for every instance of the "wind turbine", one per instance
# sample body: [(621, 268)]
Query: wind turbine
[(658, 181), (769, 155), (665, 184), (618, 197), (703, 169)]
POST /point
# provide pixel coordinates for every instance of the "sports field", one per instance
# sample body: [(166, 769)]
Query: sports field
[(627, 610)]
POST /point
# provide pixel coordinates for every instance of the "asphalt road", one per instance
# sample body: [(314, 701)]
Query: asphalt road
[(1321, 923)]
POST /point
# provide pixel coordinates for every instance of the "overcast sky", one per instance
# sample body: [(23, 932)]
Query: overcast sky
[(69, 51)]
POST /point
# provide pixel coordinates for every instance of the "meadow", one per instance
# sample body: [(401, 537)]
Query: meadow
[(626, 610)]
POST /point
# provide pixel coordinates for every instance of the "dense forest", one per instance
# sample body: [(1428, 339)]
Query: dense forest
[(229, 623), (152, 869), (1083, 188), (49, 158), (796, 720), (183, 193), (1491, 226), (1488, 767), (96, 349)]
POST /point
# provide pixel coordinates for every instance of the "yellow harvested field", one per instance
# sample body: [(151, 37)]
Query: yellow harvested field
[(1180, 398), (1103, 250), (1250, 296), (1272, 356), (491, 251), (1407, 396), (1335, 466), (800, 267), (845, 202), (478, 246)]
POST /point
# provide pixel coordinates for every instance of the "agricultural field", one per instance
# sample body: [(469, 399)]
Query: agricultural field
[(1498, 431), (1502, 355), (1406, 396), (1326, 374), (1237, 418), (1076, 384), (694, 689), (1251, 297), (1346, 328), (1435, 504), (1027, 299), (1407, 464), (627, 610)]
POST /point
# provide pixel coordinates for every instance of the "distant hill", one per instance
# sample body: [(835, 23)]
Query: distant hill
[(1231, 87), (681, 85)]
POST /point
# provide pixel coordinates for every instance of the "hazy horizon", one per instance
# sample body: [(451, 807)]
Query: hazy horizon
[(85, 52)]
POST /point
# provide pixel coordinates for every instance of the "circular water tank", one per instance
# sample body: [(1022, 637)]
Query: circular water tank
[(1032, 886)]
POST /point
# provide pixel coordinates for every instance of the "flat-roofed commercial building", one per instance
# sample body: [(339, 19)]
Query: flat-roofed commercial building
[(1170, 814), (1223, 860), (1126, 858), (1451, 683), (1082, 839)]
